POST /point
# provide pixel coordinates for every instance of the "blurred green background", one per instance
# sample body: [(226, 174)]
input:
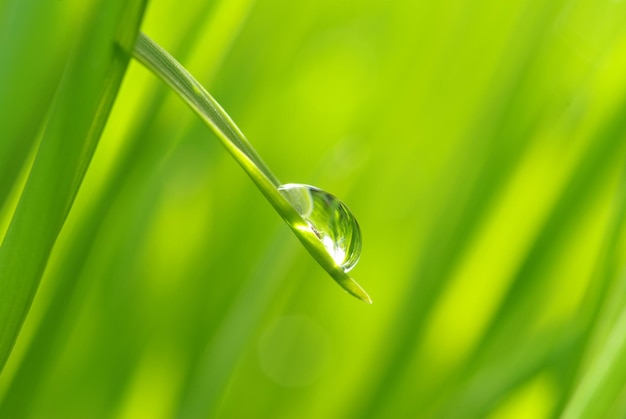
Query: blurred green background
[(481, 145)]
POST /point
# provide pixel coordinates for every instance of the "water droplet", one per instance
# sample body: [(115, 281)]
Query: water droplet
[(330, 220)]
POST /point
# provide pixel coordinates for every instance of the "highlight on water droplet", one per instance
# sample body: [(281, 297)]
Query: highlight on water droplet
[(329, 219)]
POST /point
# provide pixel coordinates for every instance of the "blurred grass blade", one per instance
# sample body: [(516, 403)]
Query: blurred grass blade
[(463, 212), (193, 93), (504, 374), (604, 381), (34, 45), (219, 359), (604, 357), (68, 274), (80, 110), (512, 318)]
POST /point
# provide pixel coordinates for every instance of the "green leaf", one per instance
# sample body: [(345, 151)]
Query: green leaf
[(80, 110)]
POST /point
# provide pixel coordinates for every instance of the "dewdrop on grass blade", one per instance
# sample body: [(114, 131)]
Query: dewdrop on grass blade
[(322, 223), (329, 219)]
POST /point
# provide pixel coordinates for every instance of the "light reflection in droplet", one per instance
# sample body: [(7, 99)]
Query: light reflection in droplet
[(330, 220)]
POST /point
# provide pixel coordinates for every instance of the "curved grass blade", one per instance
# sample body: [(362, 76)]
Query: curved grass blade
[(202, 103), (80, 110)]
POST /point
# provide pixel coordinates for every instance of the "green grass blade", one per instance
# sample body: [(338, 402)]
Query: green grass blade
[(219, 359), (176, 76), (29, 36), (70, 273), (602, 360), (81, 108), (503, 374), (604, 381), (502, 142), (207, 108), (512, 319)]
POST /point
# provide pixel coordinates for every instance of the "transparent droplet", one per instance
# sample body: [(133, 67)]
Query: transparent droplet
[(330, 220)]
